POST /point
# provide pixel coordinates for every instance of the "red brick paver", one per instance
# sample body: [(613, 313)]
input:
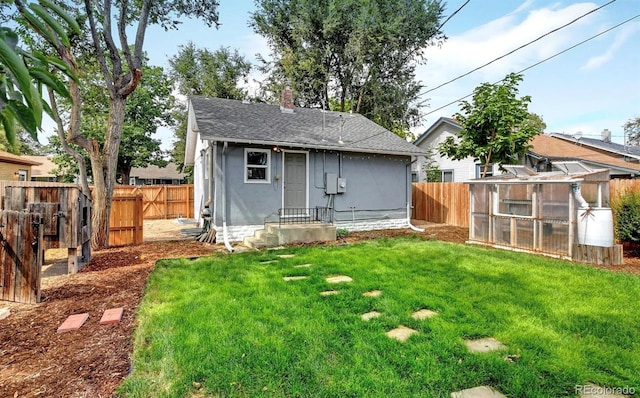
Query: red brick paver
[(73, 322), (112, 315)]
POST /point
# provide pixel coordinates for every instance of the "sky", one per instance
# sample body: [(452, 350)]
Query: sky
[(587, 89)]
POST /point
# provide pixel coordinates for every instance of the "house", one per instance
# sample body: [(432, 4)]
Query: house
[(256, 162), (450, 170), (622, 162), (14, 167), (44, 170), (154, 175)]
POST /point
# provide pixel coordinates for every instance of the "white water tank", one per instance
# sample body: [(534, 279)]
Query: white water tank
[(595, 226)]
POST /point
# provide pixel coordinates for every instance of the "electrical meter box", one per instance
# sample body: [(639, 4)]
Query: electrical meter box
[(342, 185), (331, 183)]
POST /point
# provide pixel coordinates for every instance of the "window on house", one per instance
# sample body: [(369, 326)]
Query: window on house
[(414, 177), (257, 165), (480, 168), (446, 176), (22, 175)]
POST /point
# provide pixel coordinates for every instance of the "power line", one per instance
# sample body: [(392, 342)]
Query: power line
[(453, 15), (516, 49), (542, 61)]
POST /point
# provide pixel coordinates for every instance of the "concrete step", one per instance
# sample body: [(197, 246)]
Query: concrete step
[(301, 233), (269, 239), (254, 243)]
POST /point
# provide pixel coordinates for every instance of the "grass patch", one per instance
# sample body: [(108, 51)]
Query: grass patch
[(231, 324)]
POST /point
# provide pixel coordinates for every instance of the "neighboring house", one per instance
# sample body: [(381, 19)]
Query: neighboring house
[(254, 160), (44, 170), (622, 162), (450, 170), (154, 175), (14, 167)]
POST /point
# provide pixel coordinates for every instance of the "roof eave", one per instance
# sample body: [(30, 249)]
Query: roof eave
[(341, 148)]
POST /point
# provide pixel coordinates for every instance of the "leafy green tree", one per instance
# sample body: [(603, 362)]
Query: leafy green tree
[(362, 54), (120, 59), (202, 72), (432, 172), (632, 131), (147, 108), (496, 125), (24, 73)]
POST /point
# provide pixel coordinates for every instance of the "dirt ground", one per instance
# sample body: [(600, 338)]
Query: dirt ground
[(36, 361)]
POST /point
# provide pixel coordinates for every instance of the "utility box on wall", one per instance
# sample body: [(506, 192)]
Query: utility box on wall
[(331, 183), (342, 185)]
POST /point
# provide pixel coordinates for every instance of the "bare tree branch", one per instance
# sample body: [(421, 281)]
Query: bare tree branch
[(99, 49)]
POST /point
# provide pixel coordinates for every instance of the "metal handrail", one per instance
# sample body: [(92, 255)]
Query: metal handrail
[(305, 215)]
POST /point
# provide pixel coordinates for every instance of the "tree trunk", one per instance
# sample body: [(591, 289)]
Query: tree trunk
[(104, 164)]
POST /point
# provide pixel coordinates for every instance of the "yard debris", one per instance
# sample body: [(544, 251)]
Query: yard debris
[(207, 236), (4, 312)]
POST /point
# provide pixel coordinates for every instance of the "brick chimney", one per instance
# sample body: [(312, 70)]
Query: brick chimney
[(286, 100)]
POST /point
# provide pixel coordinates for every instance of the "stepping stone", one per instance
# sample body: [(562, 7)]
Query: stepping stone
[(372, 293), (338, 279), (594, 391), (401, 333), (423, 314), (73, 322), (4, 312), (329, 293), (487, 344), (286, 255), (370, 315), (294, 278), (478, 392), (303, 266), (112, 315), (268, 261)]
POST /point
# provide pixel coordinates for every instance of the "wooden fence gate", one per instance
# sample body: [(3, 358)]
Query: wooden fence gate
[(21, 252)]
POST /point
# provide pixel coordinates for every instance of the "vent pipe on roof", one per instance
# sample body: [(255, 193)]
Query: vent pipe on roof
[(606, 135)]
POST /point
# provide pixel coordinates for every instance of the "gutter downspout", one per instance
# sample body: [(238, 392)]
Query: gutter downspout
[(224, 199), (411, 226)]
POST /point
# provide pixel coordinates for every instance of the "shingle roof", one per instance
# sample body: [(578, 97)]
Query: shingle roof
[(155, 172), (599, 144), (11, 158), (235, 121), (557, 148)]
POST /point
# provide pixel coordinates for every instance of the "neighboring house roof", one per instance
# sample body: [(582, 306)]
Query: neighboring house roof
[(7, 157), (219, 119), (155, 172), (44, 168), (554, 148), (443, 120), (624, 150)]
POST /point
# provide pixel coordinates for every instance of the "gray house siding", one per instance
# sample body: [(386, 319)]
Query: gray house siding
[(374, 190)]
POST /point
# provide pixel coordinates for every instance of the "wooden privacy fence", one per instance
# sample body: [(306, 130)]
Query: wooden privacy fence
[(161, 201), (448, 202), (441, 202), (125, 222), (21, 237)]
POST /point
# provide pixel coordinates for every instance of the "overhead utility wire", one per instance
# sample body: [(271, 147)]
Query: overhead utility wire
[(517, 49), (453, 15), (544, 60)]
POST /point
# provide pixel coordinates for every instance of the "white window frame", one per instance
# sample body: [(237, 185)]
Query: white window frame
[(267, 167), (22, 175), (480, 167), (442, 173)]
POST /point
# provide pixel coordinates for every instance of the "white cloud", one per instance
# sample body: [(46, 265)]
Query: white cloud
[(620, 39)]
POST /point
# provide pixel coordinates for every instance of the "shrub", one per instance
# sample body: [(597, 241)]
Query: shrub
[(626, 209), (342, 233)]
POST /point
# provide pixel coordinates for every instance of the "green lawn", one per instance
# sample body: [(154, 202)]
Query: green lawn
[(230, 325)]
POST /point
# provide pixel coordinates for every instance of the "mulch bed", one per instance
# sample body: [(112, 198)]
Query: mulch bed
[(36, 361)]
